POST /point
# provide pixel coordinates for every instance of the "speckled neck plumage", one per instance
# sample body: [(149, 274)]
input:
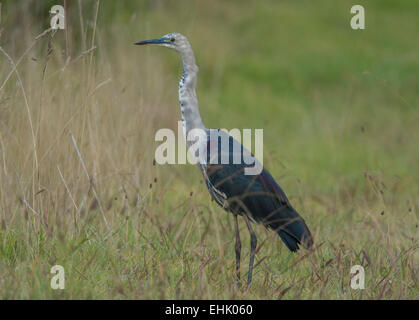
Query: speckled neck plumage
[(187, 95)]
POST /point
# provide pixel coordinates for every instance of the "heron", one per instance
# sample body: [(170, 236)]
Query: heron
[(256, 198)]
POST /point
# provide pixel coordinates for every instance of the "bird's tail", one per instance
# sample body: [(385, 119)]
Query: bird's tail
[(292, 229)]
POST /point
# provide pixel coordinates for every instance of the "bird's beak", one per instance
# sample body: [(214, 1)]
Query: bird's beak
[(152, 41)]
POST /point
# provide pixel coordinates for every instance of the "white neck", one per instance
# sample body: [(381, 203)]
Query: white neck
[(187, 95)]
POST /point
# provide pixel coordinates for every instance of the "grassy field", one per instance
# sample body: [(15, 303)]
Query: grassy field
[(78, 188)]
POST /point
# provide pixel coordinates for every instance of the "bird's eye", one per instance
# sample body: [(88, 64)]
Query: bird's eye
[(172, 39)]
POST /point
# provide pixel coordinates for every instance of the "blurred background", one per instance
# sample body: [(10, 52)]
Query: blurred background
[(79, 108)]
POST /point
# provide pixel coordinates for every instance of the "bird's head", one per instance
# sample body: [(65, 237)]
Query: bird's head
[(174, 41)]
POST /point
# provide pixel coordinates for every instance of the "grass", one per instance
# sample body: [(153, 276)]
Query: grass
[(78, 187)]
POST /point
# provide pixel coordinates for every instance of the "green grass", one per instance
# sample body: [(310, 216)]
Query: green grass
[(339, 109)]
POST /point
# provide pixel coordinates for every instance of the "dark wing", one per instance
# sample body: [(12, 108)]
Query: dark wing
[(258, 197)]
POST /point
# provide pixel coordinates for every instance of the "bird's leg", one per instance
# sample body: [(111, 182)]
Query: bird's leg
[(238, 248), (253, 244)]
